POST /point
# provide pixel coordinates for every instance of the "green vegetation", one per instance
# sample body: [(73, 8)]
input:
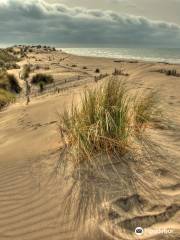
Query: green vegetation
[(41, 80), (6, 98), (6, 56), (106, 149), (9, 82), (13, 84), (9, 87), (108, 121), (40, 77), (7, 60)]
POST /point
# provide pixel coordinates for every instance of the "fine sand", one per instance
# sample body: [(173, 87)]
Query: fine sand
[(31, 193)]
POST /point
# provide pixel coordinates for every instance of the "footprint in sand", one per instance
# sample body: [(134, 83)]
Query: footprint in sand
[(127, 204), (149, 220)]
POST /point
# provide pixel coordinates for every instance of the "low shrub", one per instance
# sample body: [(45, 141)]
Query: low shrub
[(5, 98), (14, 85), (40, 77), (6, 56), (97, 70), (9, 83)]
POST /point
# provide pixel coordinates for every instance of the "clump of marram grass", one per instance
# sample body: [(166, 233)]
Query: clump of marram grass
[(107, 120), (100, 136), (102, 123)]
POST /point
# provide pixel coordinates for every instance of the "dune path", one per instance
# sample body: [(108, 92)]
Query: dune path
[(30, 204)]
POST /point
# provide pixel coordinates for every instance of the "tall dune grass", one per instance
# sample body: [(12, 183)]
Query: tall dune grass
[(100, 137), (106, 120)]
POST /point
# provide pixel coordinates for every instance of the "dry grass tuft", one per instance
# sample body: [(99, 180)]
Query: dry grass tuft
[(106, 121), (146, 109), (100, 137)]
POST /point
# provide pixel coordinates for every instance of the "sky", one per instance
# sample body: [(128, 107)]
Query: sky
[(165, 10), (149, 23)]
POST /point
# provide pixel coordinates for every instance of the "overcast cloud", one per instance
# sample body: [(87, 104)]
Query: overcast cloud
[(164, 10), (37, 21)]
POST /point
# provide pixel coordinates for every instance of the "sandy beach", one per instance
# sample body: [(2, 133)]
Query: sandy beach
[(32, 195)]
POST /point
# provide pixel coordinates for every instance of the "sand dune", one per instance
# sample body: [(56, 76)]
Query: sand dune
[(32, 197)]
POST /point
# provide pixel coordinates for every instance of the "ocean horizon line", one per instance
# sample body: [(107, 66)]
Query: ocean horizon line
[(139, 54)]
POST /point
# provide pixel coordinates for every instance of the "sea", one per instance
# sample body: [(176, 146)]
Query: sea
[(169, 55)]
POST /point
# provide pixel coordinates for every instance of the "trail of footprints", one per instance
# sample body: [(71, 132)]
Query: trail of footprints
[(136, 202), (25, 123)]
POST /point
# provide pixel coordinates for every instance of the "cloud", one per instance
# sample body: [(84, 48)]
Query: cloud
[(32, 21)]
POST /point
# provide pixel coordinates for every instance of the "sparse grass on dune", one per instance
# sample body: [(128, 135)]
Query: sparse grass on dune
[(6, 57), (9, 87), (146, 109), (107, 121), (6, 98), (169, 72), (9, 82), (102, 143)]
